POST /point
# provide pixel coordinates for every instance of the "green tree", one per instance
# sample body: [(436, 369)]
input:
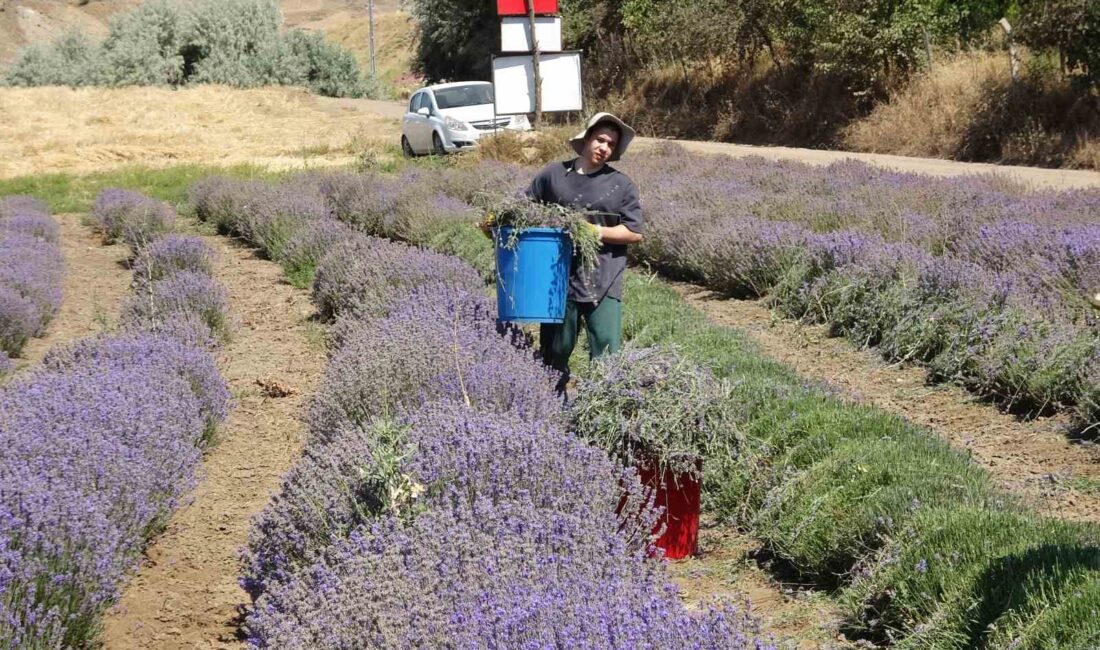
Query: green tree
[(457, 38), (1069, 27)]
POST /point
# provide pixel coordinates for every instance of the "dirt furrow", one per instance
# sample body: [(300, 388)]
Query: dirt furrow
[(185, 595), (96, 281), (1034, 459)]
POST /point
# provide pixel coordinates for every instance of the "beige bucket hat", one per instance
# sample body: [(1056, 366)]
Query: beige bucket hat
[(577, 142)]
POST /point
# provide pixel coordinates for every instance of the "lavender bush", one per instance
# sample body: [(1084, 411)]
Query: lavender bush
[(170, 254), (31, 270), (305, 250), (38, 225), (93, 458), (934, 584), (387, 365), (166, 354), (486, 574), (99, 442), (131, 218), (182, 293), (364, 274)]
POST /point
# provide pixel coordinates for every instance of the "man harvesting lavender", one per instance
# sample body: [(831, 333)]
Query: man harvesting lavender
[(610, 201)]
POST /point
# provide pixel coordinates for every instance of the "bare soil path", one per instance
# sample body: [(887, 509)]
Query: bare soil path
[(1033, 459), (727, 570), (96, 281), (185, 595)]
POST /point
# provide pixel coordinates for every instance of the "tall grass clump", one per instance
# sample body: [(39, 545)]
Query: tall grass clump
[(165, 42)]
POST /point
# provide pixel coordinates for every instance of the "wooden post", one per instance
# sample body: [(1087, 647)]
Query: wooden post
[(1013, 55), (538, 75), (370, 37), (927, 47)]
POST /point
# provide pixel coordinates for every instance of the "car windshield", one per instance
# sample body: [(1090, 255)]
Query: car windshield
[(456, 96)]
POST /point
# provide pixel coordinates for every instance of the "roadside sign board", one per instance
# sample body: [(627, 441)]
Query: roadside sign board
[(515, 34), (519, 7), (514, 82)]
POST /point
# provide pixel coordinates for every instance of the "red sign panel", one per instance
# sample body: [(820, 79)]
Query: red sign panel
[(519, 7)]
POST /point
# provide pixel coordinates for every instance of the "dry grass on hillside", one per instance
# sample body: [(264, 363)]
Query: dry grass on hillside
[(394, 45), (44, 130), (969, 109)]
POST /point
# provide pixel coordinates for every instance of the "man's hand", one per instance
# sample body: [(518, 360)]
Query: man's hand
[(486, 225)]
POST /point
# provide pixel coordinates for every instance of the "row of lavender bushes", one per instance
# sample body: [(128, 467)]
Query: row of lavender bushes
[(31, 270), (985, 283), (914, 534), (100, 443), (439, 502)]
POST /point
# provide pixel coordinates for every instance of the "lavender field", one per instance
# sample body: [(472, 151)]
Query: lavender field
[(986, 284), (101, 442), (439, 502), (442, 496)]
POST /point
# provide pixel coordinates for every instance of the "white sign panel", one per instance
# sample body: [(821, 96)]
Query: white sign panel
[(514, 82), (515, 34)]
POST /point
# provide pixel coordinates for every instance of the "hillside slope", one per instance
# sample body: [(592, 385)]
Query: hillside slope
[(26, 22)]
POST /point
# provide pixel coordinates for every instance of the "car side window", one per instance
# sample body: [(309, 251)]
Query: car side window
[(426, 101), (414, 103)]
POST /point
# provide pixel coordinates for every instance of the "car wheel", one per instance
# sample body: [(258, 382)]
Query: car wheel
[(406, 148), (437, 145)]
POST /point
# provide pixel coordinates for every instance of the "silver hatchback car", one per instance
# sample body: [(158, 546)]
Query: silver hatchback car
[(448, 117)]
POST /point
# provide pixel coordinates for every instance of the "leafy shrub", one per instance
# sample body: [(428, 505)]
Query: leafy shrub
[(234, 42), (329, 70), (145, 46), (69, 61)]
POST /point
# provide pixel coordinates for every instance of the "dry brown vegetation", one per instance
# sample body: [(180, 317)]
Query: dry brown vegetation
[(969, 109), (46, 130)]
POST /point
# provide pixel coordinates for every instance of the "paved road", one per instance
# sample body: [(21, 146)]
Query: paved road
[(1033, 176)]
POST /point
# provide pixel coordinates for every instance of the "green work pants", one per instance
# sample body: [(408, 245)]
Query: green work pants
[(603, 324)]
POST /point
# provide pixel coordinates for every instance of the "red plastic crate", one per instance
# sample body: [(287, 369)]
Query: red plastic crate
[(519, 7)]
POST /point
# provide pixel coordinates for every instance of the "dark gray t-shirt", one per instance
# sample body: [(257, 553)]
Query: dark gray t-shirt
[(608, 191)]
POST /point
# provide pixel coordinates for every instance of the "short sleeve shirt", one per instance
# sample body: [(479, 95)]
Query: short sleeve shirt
[(612, 199)]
